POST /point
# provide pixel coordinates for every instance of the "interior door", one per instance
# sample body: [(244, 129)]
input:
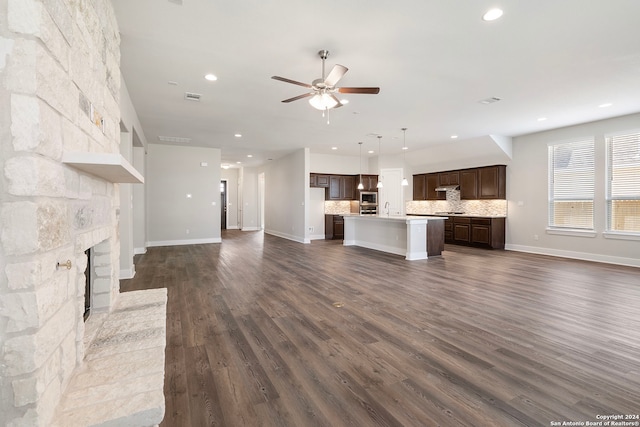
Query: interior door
[(223, 205), (390, 196)]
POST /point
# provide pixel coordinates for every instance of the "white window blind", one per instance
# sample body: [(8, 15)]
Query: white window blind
[(623, 183), (571, 184)]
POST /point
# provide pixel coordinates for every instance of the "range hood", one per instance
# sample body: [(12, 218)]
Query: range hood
[(447, 187)]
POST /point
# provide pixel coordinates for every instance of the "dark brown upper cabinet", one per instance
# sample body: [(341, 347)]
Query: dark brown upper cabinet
[(433, 183), (419, 187), (341, 187), (492, 182), (469, 184)]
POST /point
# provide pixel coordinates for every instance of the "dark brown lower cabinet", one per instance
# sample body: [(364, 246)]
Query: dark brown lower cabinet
[(334, 227), (461, 229), (448, 230), (476, 231)]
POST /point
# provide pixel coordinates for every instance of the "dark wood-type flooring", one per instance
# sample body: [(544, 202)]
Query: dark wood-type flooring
[(262, 331)]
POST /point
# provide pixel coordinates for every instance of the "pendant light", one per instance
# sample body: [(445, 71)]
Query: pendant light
[(379, 185), (360, 186), (404, 156)]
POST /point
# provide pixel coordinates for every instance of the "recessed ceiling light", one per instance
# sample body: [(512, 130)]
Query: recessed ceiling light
[(172, 83), (238, 163), (605, 105), (405, 148), (249, 155), (370, 151), (492, 14), (542, 119), (490, 100), (454, 136), (225, 166), (211, 77), (334, 148), (344, 101), (238, 135)]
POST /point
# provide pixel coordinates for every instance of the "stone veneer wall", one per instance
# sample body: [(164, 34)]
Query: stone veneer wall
[(58, 58)]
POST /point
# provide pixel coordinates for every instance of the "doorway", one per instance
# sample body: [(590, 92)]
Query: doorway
[(223, 204)]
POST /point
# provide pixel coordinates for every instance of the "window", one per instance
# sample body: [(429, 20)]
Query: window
[(571, 184), (623, 183)]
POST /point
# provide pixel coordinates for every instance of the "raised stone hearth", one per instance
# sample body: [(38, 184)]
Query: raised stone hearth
[(122, 378)]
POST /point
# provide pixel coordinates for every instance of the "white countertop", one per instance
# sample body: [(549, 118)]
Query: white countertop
[(396, 217)]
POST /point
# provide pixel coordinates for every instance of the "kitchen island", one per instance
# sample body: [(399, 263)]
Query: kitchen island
[(415, 237)]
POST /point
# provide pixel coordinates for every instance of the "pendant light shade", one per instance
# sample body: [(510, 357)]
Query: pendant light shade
[(360, 186), (379, 185), (404, 182)]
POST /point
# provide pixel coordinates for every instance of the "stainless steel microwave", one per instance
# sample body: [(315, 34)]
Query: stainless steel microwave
[(368, 198)]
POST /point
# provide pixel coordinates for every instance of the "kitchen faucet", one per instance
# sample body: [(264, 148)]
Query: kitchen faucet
[(386, 206)]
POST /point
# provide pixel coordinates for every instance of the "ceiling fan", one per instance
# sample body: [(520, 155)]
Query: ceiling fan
[(323, 90)]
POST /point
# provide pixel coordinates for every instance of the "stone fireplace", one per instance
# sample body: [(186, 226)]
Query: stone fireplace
[(60, 99)]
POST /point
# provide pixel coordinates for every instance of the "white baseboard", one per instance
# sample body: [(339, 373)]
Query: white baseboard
[(251, 228), (139, 251), (299, 239), (183, 242), (232, 227), (631, 262), (316, 237)]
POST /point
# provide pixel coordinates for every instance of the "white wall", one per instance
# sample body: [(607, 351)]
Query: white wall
[(138, 144), (173, 172), (128, 115), (125, 215), (248, 198), (527, 196), (315, 224), (286, 196), (139, 204), (339, 165)]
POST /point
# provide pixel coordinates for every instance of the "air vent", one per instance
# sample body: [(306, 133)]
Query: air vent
[(190, 96), (490, 100), (173, 139)]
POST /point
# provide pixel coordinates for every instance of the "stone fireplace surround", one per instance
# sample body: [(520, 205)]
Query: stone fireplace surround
[(60, 89)]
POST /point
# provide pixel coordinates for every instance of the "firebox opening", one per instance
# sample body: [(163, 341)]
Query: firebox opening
[(87, 286)]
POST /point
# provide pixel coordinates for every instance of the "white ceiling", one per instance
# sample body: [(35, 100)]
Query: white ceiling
[(434, 60)]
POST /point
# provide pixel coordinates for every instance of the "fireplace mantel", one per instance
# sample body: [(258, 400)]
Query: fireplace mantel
[(109, 166)]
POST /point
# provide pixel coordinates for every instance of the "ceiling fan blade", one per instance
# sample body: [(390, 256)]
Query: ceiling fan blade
[(335, 98), (295, 98), (335, 75), (366, 90), (283, 79)]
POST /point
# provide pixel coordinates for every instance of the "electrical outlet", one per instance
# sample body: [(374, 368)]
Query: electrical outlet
[(310, 229)]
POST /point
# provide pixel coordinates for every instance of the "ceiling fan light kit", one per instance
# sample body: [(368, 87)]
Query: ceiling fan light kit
[(323, 90), (323, 101)]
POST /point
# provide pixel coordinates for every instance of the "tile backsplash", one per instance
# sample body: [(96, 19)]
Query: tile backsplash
[(338, 207), (454, 204)]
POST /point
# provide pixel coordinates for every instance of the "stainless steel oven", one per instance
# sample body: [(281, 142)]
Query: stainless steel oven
[(368, 203), (368, 198)]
